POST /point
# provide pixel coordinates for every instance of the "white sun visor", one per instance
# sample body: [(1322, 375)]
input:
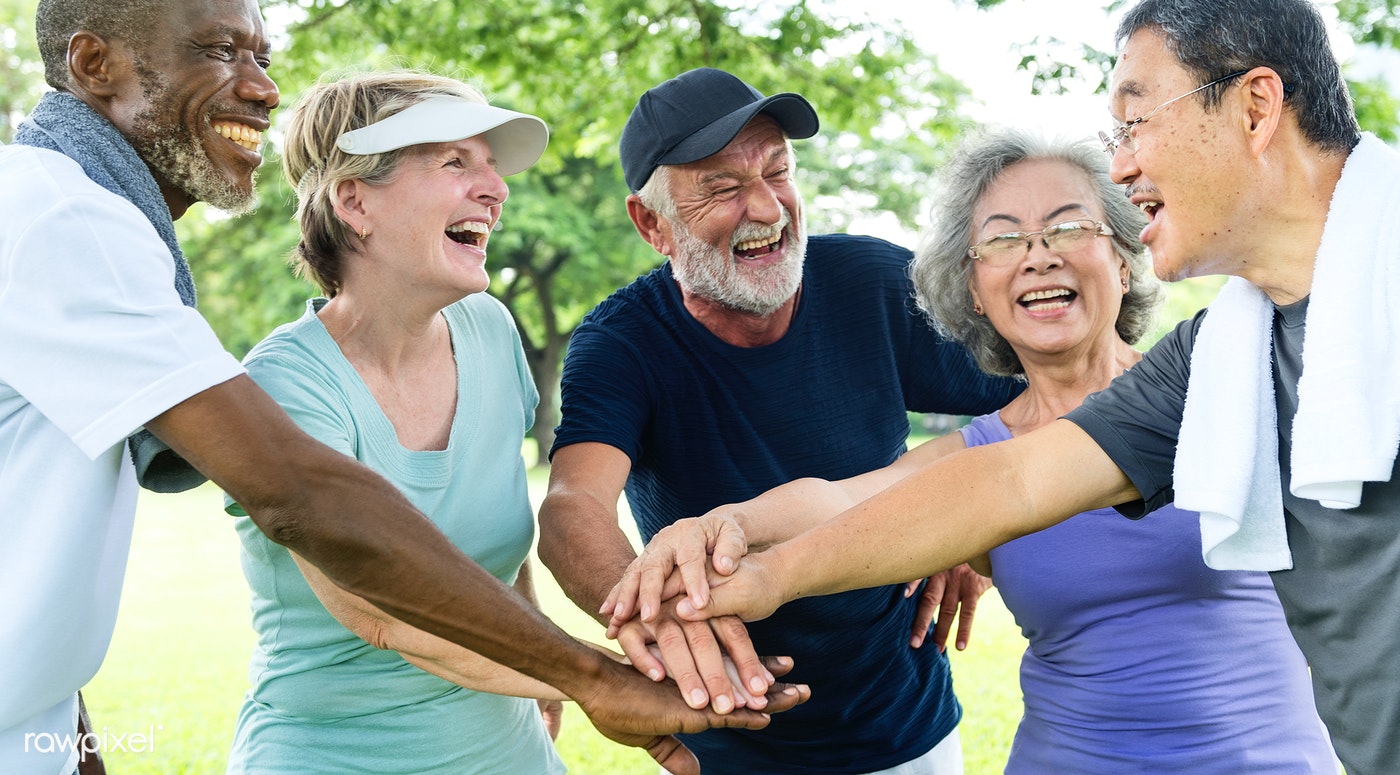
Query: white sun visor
[(516, 139)]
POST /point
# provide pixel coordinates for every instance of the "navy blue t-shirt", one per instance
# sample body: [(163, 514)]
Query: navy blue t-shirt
[(706, 423)]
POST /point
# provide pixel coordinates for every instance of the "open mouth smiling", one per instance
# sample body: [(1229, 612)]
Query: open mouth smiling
[(1049, 299), (241, 134), (472, 233), (757, 248)]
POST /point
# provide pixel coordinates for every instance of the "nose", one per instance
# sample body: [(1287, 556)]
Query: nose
[(763, 205), (1122, 165), (490, 189), (255, 85), (1040, 257)]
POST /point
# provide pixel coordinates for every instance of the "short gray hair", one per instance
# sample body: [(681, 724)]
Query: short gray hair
[(941, 268), (57, 21), (1212, 39)]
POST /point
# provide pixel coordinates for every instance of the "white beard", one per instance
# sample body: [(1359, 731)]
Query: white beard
[(703, 270)]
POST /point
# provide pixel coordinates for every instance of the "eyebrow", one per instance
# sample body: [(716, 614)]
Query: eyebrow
[(1057, 212), (242, 35), (780, 154)]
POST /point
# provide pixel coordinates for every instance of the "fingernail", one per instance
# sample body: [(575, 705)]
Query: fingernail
[(684, 608), (723, 704), (727, 563), (908, 592), (962, 644), (916, 642), (604, 609), (697, 602), (646, 613), (757, 686), (654, 674), (697, 698)]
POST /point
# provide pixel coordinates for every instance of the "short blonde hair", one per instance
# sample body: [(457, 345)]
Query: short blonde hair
[(315, 166)]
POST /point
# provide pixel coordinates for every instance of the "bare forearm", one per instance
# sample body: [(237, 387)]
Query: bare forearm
[(365, 536), (582, 545), (953, 510), (786, 511), (428, 652)]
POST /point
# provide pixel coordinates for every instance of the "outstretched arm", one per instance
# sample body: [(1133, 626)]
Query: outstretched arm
[(424, 650), (586, 550), (956, 508), (719, 538), (366, 537)]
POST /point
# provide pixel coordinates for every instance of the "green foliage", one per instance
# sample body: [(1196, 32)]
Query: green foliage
[(21, 72), (887, 112)]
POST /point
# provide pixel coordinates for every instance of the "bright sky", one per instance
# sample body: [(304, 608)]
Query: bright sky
[(978, 48)]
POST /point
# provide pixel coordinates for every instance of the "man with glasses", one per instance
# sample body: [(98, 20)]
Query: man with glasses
[(1275, 414)]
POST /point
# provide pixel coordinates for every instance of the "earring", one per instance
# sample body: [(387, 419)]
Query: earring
[(364, 232), (1125, 285), (977, 308)]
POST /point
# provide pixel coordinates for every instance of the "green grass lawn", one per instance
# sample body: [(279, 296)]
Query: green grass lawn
[(176, 671)]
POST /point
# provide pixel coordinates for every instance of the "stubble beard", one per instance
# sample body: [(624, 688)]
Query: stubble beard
[(713, 273), (176, 154)]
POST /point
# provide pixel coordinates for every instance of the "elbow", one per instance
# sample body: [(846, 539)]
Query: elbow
[(552, 543)]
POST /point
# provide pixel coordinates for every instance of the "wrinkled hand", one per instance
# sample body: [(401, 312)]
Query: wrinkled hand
[(713, 663), (628, 709), (753, 591), (552, 711), (689, 548), (952, 594)]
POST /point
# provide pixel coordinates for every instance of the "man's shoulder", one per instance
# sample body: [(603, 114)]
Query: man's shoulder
[(37, 178), (847, 247), (640, 301)]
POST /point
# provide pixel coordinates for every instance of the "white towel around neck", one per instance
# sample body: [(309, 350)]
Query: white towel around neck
[(1347, 427)]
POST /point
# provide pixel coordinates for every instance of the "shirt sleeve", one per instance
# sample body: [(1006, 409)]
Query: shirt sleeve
[(96, 338), (604, 394), (313, 401), (1137, 418)]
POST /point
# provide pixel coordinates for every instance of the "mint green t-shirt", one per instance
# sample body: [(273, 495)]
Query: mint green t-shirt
[(322, 699)]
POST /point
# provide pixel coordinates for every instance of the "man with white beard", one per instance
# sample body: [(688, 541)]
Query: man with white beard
[(752, 357)]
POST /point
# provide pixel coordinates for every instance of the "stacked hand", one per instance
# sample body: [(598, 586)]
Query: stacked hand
[(702, 570)]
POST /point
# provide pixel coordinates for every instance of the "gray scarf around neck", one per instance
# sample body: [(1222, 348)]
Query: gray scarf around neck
[(65, 124)]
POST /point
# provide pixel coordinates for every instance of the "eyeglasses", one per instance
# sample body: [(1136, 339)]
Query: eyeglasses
[(1009, 248), (1123, 135)]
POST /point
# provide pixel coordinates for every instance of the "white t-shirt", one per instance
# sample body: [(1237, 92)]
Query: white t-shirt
[(94, 341)]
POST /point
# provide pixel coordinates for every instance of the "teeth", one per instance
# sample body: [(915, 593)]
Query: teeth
[(242, 134), (476, 226), (1039, 295), (754, 244), (1148, 207)]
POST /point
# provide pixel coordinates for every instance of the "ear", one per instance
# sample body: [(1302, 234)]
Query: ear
[(92, 65), (1262, 97), (653, 228), (976, 299), (348, 200)]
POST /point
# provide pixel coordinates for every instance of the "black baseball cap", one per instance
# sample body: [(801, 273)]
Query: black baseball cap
[(695, 115)]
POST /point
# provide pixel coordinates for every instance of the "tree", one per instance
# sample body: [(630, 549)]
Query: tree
[(566, 241), (21, 73)]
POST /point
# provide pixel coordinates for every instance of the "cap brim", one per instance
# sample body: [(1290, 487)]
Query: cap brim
[(793, 113), (517, 139)]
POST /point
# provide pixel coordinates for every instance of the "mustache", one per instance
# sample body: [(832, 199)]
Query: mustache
[(1146, 190)]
